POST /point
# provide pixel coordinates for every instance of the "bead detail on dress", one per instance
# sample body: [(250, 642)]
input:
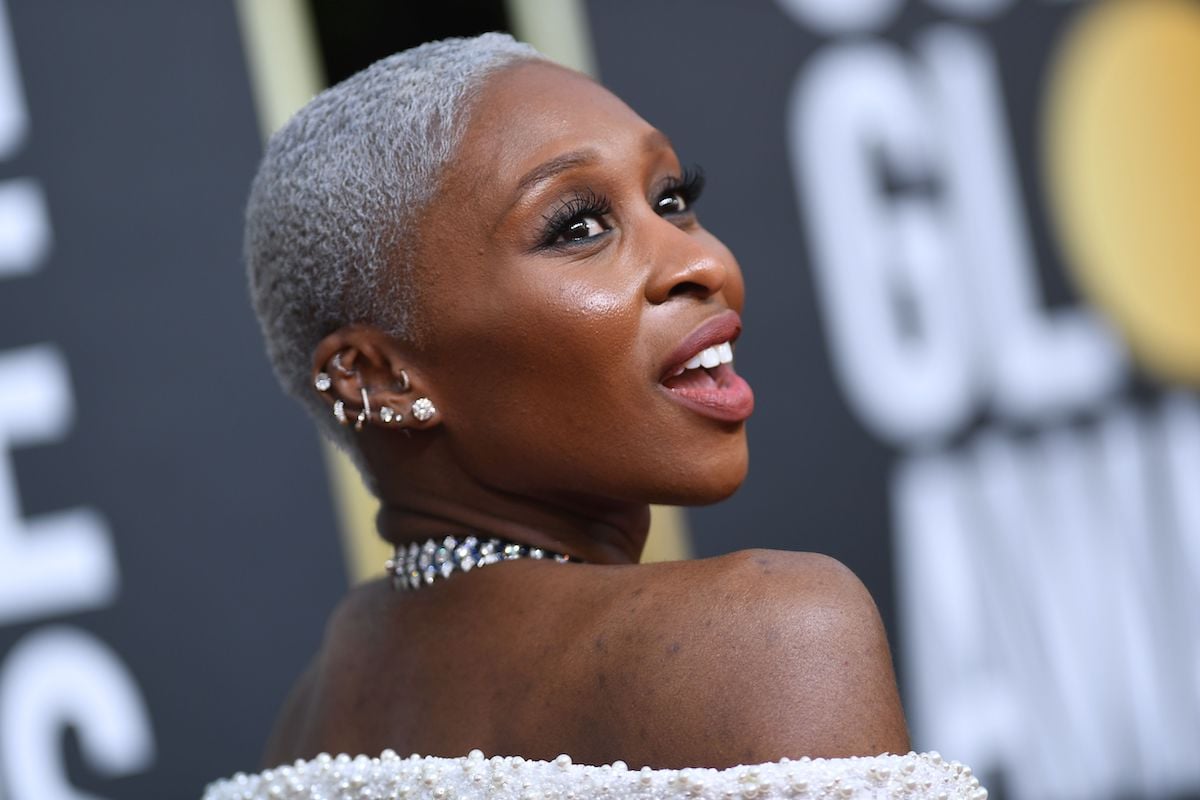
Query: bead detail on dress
[(887, 777)]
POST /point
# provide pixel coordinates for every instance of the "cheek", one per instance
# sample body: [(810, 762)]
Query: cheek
[(593, 329), (544, 367), (589, 305), (584, 325)]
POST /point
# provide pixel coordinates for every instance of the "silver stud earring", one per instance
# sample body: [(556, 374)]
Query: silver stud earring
[(387, 415), (339, 412), (322, 382), (423, 409)]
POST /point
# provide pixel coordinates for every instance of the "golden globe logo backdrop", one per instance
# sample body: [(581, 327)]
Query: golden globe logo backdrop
[(1121, 125), (917, 191)]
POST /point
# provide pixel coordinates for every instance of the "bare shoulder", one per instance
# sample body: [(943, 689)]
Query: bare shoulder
[(287, 734), (766, 654), (302, 726), (744, 658), (812, 596)]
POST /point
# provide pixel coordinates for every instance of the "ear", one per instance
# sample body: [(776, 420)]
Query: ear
[(375, 378)]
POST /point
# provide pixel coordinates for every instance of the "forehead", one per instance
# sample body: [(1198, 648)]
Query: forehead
[(532, 112)]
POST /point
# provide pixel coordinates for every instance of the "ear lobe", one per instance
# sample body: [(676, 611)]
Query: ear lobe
[(404, 404), (369, 377)]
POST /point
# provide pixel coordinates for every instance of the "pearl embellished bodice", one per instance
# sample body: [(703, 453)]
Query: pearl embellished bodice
[(914, 776)]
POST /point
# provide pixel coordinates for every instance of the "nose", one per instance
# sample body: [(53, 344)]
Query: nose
[(685, 262)]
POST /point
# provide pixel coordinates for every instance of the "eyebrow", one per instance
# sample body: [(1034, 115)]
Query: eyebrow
[(547, 170), (653, 140)]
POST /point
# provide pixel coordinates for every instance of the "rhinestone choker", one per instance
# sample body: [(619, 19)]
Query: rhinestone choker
[(419, 564)]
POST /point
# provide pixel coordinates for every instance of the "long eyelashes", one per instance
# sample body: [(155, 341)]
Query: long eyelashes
[(689, 186), (572, 210), (674, 197)]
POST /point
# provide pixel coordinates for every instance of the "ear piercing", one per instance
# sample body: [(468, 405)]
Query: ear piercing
[(423, 409), (365, 414), (336, 361)]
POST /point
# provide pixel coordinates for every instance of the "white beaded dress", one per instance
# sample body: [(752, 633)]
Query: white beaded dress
[(925, 776)]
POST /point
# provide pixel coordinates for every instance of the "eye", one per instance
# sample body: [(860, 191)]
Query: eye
[(579, 218), (580, 228), (673, 203), (680, 193)]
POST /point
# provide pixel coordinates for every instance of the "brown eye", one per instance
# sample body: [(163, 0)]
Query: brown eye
[(678, 195), (671, 203), (582, 228), (578, 219)]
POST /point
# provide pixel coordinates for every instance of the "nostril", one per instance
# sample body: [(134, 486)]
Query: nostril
[(689, 287)]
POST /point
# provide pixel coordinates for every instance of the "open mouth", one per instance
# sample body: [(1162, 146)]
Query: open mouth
[(705, 370), (707, 383)]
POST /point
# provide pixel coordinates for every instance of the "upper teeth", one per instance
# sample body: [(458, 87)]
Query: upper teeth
[(710, 357)]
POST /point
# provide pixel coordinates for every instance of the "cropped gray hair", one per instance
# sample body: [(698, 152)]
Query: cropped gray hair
[(330, 222)]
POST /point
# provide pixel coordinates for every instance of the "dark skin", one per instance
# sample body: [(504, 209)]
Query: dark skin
[(543, 351)]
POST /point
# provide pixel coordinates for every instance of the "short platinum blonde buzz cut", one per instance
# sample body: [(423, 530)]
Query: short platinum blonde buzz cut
[(330, 223)]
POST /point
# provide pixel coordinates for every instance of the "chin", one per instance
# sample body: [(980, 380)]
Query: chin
[(707, 480)]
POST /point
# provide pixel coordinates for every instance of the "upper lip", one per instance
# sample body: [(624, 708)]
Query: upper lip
[(724, 327)]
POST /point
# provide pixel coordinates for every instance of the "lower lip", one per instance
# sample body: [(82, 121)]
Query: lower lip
[(731, 401)]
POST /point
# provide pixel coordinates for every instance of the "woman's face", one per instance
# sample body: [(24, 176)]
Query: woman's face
[(567, 279)]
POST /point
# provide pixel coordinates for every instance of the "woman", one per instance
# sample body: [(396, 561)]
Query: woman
[(485, 275)]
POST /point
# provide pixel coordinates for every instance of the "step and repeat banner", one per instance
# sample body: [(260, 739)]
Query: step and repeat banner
[(969, 231)]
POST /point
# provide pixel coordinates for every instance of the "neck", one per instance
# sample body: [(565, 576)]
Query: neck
[(427, 502), (597, 539)]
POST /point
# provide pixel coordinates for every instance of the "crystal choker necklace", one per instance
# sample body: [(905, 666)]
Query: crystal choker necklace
[(419, 564)]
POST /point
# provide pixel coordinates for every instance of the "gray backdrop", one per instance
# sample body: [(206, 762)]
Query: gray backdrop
[(937, 407), (202, 483)]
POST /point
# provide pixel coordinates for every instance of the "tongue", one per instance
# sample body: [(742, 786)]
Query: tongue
[(692, 379)]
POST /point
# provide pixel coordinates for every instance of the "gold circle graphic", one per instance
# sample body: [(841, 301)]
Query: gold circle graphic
[(1121, 142)]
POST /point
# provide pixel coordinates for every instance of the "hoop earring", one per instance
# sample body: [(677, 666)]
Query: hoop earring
[(336, 362), (339, 412)]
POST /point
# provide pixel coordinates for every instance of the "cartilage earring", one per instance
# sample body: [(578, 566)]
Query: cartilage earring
[(405, 385), (322, 382), (365, 414), (423, 409), (339, 412), (337, 364), (387, 415)]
